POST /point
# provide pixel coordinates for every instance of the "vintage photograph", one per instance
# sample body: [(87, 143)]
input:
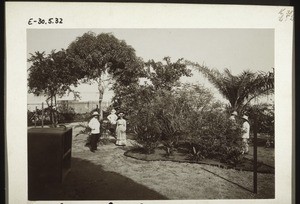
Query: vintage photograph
[(150, 113)]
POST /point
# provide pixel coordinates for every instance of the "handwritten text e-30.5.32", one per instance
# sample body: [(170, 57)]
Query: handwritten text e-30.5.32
[(33, 21)]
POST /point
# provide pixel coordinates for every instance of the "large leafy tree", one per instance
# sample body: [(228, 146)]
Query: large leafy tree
[(240, 89), (166, 74), (96, 55), (51, 75), (163, 75), (154, 103)]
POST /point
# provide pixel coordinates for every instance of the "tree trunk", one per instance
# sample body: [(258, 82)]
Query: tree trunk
[(101, 92), (51, 110), (100, 109)]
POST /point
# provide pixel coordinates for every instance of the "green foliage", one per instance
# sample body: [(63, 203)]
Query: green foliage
[(51, 76), (65, 113), (147, 128), (166, 74), (170, 116), (239, 90), (153, 108), (187, 114), (36, 117), (264, 116), (104, 54), (95, 55), (163, 76), (213, 135), (231, 155)]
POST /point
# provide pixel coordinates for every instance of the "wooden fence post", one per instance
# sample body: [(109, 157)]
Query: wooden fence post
[(255, 156)]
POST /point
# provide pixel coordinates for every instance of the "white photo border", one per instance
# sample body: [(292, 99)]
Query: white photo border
[(142, 15)]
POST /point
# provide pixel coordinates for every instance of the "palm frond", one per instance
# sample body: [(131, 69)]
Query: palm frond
[(238, 89)]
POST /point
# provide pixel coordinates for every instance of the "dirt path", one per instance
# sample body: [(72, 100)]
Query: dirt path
[(109, 175)]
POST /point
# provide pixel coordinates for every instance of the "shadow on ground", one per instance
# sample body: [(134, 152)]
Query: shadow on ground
[(88, 181)]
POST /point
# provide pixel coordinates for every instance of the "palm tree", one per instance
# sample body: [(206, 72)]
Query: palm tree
[(239, 90)]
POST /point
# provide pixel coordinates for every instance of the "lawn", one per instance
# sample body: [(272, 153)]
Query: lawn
[(108, 174)]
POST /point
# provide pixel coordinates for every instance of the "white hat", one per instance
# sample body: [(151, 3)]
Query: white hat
[(95, 113), (234, 113), (113, 110), (245, 117)]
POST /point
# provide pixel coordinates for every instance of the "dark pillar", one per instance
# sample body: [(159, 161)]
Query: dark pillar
[(255, 156)]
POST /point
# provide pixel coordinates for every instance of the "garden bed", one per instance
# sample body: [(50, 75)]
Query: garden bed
[(180, 156)]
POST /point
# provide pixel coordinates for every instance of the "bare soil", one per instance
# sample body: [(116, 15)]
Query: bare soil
[(108, 174)]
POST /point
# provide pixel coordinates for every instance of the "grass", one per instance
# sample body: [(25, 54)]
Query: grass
[(109, 175)]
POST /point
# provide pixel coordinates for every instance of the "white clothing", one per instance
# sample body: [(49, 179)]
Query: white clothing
[(121, 132), (95, 126), (246, 128), (112, 118)]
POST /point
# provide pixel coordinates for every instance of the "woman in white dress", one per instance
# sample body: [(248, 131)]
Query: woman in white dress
[(121, 130)]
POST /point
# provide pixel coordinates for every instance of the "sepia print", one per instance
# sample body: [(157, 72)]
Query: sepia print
[(136, 110), (190, 102)]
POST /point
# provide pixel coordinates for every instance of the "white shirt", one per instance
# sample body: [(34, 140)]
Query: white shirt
[(246, 128), (95, 126), (112, 118)]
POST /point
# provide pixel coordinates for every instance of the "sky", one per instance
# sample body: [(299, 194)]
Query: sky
[(235, 49)]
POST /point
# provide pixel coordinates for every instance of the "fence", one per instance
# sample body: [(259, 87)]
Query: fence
[(66, 111), (78, 106)]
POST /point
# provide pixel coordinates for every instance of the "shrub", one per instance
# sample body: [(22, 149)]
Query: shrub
[(214, 136), (184, 114), (264, 116), (175, 110), (147, 128), (65, 113), (169, 147), (230, 154), (36, 116)]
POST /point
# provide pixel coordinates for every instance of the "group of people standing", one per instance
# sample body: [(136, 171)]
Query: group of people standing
[(117, 127), (246, 131)]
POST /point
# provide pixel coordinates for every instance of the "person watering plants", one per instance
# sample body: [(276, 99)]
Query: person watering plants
[(94, 124), (121, 130), (246, 135), (112, 117)]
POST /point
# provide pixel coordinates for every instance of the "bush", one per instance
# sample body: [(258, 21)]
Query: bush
[(201, 150), (185, 114), (36, 117), (264, 115), (230, 154), (147, 128), (65, 113), (214, 136)]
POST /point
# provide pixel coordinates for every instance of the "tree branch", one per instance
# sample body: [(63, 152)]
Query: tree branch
[(255, 95)]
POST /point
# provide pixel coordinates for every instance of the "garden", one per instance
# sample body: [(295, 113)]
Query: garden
[(172, 126)]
